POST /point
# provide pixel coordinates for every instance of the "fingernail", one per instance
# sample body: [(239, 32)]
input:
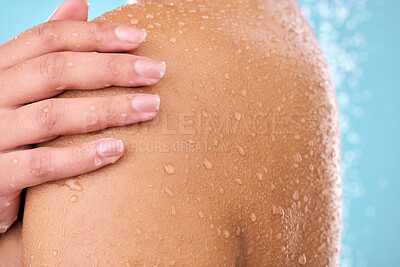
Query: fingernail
[(110, 148), (150, 68), (146, 103), (130, 34)]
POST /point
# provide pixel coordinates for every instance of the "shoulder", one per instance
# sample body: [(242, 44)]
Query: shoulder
[(255, 96)]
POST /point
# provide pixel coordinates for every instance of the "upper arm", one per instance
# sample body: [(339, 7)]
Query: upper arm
[(294, 214)]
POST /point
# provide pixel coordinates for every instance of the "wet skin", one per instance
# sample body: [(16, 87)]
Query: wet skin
[(241, 167)]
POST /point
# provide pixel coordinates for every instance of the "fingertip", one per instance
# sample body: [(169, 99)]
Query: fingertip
[(109, 150), (71, 10)]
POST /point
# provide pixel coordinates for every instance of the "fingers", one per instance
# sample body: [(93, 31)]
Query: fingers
[(45, 120), (28, 168), (71, 10), (9, 206), (48, 75), (54, 36)]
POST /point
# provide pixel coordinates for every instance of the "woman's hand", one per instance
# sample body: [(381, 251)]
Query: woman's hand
[(41, 63)]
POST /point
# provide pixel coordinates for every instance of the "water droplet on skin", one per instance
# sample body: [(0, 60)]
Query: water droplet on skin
[(238, 231), (238, 181), (196, 49), (65, 211), (138, 231), (70, 64), (253, 217), (207, 164), (302, 259), (172, 40), (298, 157), (201, 214), (259, 176), (241, 151), (169, 168), (73, 199), (311, 167), (204, 114), (15, 161), (168, 191), (238, 116), (226, 76), (97, 161), (275, 209), (150, 16), (92, 108), (55, 252), (296, 195), (75, 34), (173, 210), (134, 21), (297, 137), (73, 184), (227, 234)]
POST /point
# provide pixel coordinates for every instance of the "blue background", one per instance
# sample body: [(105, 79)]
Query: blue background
[(361, 40)]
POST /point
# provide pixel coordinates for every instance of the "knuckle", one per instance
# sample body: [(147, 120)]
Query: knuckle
[(41, 163), (46, 33), (113, 68), (111, 108), (98, 30), (74, 161), (52, 67), (48, 115)]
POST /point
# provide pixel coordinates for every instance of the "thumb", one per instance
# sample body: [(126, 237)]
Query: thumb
[(71, 10)]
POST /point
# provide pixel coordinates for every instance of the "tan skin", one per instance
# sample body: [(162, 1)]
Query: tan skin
[(252, 94)]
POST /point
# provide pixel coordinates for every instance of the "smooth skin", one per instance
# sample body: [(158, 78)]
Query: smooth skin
[(240, 168), (47, 60)]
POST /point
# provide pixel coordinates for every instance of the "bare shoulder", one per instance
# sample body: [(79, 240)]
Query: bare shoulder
[(242, 165)]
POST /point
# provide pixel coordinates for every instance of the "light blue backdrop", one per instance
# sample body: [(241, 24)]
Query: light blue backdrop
[(361, 40)]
